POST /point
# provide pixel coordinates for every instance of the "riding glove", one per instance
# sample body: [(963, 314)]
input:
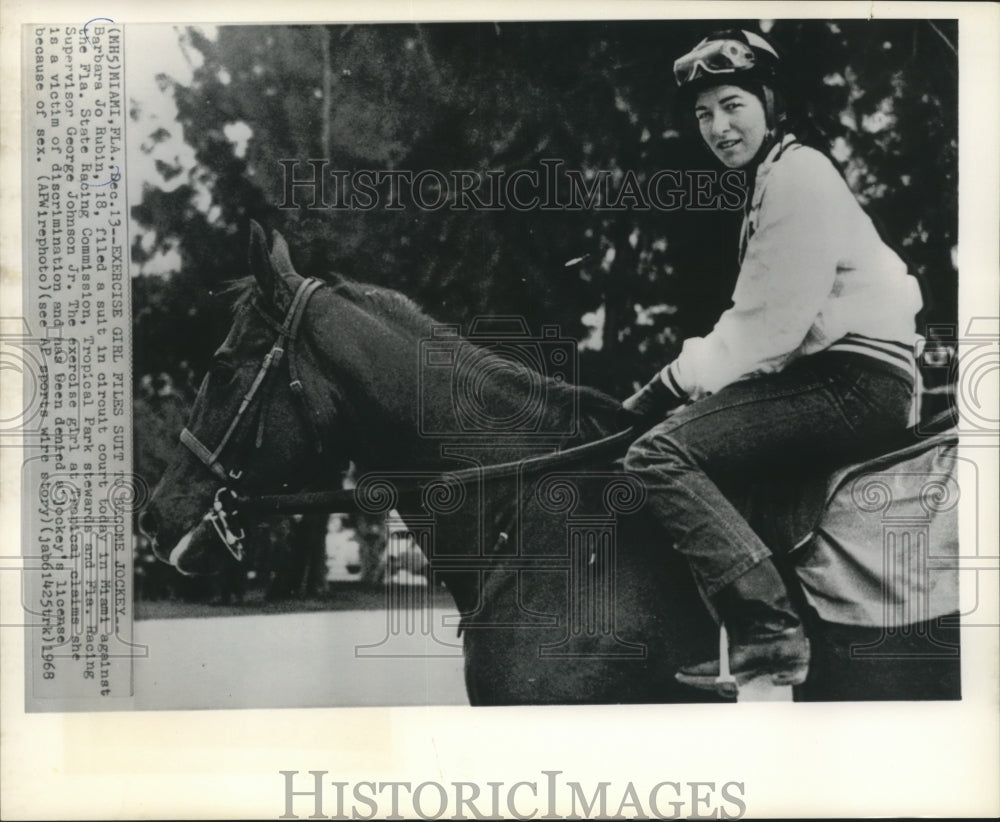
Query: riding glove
[(660, 395)]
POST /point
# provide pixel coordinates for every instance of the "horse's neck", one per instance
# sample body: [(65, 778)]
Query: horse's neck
[(399, 417), (369, 369), (403, 411)]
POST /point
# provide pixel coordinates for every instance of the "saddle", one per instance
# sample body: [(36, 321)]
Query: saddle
[(875, 544)]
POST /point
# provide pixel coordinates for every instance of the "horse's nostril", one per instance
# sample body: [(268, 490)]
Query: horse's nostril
[(147, 523)]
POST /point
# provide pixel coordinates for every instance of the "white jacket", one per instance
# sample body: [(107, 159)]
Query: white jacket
[(814, 275)]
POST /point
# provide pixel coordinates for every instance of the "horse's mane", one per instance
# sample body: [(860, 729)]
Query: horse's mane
[(403, 314), (388, 303)]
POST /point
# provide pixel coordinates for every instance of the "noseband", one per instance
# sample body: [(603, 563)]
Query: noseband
[(223, 516)]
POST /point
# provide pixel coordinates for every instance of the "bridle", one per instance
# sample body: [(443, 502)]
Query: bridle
[(224, 516)]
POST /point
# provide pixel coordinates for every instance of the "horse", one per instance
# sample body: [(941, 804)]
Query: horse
[(564, 593)]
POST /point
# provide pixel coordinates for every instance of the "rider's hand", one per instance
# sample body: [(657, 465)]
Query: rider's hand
[(653, 400)]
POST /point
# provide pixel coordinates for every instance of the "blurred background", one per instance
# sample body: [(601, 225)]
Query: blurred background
[(214, 110)]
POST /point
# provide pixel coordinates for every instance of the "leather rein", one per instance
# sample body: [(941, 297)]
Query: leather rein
[(224, 515)]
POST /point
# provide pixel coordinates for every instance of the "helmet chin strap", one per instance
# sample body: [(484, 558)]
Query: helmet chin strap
[(775, 126), (770, 110), (771, 138)]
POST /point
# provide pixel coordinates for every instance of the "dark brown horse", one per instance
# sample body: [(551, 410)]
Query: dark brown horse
[(564, 594)]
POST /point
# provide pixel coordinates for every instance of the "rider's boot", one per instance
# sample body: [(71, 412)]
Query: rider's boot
[(766, 637)]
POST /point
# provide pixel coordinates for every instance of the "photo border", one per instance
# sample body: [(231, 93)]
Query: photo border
[(828, 759)]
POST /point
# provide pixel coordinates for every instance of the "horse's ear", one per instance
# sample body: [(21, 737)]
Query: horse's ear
[(271, 285), (282, 261), (260, 261)]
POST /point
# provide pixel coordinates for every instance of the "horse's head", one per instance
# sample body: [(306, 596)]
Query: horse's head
[(263, 421)]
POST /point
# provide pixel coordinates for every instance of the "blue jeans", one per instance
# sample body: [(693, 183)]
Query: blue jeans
[(823, 411)]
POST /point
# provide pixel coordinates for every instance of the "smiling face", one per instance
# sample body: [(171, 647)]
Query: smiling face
[(732, 122)]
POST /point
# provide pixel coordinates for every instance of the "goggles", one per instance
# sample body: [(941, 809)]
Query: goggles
[(713, 57)]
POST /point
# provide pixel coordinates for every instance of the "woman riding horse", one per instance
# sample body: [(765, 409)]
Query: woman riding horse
[(812, 365)]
